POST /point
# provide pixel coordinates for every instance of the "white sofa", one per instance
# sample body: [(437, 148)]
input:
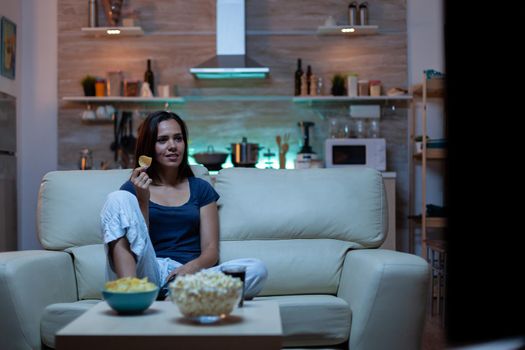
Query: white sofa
[(317, 230)]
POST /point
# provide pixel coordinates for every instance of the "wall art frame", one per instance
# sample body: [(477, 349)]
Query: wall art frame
[(7, 48)]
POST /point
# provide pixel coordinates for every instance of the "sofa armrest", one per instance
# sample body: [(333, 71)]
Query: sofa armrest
[(387, 293), (29, 281)]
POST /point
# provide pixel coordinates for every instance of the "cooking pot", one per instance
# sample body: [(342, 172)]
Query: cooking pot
[(211, 160), (245, 154)]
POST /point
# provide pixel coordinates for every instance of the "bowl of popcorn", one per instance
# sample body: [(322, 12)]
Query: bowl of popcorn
[(130, 295), (207, 296)]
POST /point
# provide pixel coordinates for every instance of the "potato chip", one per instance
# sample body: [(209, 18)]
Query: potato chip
[(145, 161), (130, 284)]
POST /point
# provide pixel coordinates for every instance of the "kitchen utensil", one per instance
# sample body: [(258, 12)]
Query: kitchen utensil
[(245, 154), (210, 159), (88, 114), (85, 162), (282, 156), (305, 133)]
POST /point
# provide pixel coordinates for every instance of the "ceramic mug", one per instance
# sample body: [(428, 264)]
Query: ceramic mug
[(88, 114)]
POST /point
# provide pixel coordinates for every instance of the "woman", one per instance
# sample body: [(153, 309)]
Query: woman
[(164, 220)]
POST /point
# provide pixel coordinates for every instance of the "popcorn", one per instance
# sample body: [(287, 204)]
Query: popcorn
[(209, 293)]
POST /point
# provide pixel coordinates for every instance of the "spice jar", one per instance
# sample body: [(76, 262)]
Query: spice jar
[(363, 88), (114, 83), (363, 14), (375, 87), (374, 129), (100, 87), (352, 13)]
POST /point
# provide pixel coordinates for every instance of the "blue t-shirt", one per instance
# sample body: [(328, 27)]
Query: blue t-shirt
[(175, 231)]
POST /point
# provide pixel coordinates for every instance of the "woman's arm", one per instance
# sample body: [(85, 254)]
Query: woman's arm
[(209, 227)]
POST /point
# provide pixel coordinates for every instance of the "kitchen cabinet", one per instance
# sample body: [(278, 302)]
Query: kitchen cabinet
[(420, 157)]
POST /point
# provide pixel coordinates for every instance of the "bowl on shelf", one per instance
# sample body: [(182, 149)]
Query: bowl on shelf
[(207, 296), (210, 159), (129, 296)]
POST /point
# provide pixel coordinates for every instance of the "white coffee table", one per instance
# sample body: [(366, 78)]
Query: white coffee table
[(257, 325)]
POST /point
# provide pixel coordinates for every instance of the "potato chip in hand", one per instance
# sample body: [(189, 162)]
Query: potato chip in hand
[(145, 161)]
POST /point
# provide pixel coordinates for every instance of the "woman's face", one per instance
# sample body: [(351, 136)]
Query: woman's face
[(169, 147)]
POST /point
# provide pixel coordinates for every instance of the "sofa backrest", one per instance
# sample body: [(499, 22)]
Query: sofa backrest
[(69, 204), (333, 203), (301, 223)]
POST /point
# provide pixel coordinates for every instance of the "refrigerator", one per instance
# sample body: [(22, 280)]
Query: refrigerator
[(8, 192)]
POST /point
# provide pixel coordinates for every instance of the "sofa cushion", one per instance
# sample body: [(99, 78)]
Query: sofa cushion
[(56, 316), (90, 270), (334, 203), (310, 320), (295, 266), (69, 204)]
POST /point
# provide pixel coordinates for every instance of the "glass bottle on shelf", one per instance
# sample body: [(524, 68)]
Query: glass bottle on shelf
[(358, 127), (149, 77), (298, 76), (308, 79), (374, 129)]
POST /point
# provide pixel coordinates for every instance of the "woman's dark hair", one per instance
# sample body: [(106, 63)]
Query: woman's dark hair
[(147, 137)]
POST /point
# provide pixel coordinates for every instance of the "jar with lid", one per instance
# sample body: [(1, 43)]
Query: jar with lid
[(114, 83), (100, 87), (374, 130), (358, 127), (352, 13), (363, 14), (363, 88), (375, 87)]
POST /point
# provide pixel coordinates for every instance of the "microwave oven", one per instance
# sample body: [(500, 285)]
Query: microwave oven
[(355, 152)]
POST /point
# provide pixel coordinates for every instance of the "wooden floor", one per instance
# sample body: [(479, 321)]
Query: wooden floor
[(434, 337)]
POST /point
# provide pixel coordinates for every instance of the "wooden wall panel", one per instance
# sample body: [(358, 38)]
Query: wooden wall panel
[(181, 34)]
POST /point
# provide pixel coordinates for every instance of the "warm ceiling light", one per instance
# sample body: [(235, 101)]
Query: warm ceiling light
[(348, 30), (113, 31)]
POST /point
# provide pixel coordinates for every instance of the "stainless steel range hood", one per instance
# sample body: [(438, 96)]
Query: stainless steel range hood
[(231, 60)]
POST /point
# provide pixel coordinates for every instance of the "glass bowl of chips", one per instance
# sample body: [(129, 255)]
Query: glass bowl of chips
[(130, 295), (207, 296)]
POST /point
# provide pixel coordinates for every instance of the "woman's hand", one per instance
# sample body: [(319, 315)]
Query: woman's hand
[(189, 268), (141, 181)]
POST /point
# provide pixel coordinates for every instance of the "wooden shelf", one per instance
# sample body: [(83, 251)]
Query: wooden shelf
[(236, 98), (113, 31), (432, 221), (435, 88), (97, 121), (310, 99), (438, 245), (347, 30), (123, 99), (433, 154)]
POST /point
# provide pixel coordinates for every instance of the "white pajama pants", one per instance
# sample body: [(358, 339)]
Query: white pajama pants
[(121, 217)]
